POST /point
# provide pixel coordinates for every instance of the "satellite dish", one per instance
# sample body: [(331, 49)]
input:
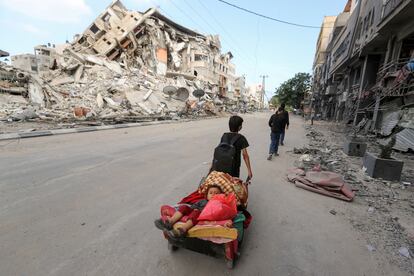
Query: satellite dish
[(198, 93), (182, 94), (169, 90)]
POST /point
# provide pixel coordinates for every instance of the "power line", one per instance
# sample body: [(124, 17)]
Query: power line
[(198, 24), (224, 30), (158, 6), (183, 12), (192, 19), (233, 47), (268, 17)]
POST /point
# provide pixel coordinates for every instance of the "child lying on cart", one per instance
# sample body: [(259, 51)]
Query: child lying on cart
[(192, 212)]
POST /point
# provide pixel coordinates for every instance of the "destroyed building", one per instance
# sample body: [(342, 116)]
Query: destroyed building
[(153, 40), (365, 74), (126, 64)]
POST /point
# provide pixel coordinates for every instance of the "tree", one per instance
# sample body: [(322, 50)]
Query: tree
[(274, 101), (292, 91)]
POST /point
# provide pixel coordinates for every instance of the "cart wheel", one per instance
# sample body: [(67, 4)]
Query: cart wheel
[(229, 264), (172, 247)]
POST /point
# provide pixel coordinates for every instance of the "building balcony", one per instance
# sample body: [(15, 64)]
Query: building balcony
[(391, 68), (395, 14), (393, 79), (389, 6)]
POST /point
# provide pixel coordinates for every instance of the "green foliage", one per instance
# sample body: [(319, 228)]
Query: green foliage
[(275, 101), (292, 91)]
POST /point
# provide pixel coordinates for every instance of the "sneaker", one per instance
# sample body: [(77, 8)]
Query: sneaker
[(162, 225), (276, 154), (269, 157), (282, 144), (176, 233)]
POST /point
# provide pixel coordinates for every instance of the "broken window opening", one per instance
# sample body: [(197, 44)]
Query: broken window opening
[(125, 42), (113, 54), (81, 40), (94, 29), (106, 17), (99, 35), (198, 57)]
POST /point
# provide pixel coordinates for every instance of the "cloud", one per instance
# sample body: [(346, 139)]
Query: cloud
[(61, 11)]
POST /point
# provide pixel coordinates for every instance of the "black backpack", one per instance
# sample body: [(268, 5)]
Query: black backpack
[(225, 155)]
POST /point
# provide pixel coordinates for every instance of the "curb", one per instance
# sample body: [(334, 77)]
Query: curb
[(41, 133)]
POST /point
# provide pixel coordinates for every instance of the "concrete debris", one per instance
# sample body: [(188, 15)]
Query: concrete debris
[(24, 115), (147, 95), (404, 252), (384, 211), (99, 100), (36, 95), (126, 64), (305, 150), (305, 158), (371, 248)]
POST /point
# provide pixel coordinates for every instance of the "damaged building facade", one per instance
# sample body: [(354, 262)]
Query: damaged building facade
[(125, 64), (152, 40), (363, 70)]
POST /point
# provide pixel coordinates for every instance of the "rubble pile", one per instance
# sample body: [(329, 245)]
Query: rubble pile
[(126, 67), (88, 90)]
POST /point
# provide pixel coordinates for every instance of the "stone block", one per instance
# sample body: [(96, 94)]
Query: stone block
[(387, 169)]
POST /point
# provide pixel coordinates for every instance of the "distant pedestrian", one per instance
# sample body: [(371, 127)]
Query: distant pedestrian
[(312, 116), (286, 126), (276, 124)]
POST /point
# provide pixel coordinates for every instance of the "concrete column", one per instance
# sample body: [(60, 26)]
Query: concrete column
[(361, 88), (375, 117)]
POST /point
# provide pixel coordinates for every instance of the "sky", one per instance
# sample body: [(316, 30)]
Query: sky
[(260, 47)]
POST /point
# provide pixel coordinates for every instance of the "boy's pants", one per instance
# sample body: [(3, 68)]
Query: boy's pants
[(282, 137), (274, 142)]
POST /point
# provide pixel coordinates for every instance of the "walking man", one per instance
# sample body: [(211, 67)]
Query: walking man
[(286, 124), (276, 124)]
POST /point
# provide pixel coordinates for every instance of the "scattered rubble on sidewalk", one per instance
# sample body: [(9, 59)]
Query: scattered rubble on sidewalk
[(127, 66), (382, 210)]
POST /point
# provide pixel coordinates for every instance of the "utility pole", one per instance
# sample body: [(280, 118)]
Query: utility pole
[(263, 90)]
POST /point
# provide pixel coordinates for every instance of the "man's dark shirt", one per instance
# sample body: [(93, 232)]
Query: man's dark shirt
[(240, 144), (286, 117), (277, 123)]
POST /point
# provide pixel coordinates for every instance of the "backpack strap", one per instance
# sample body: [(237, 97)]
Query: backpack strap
[(235, 139)]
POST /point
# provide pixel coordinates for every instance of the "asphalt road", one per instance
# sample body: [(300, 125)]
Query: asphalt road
[(84, 204)]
